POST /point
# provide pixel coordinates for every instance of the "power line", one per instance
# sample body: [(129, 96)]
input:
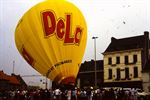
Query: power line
[(32, 76)]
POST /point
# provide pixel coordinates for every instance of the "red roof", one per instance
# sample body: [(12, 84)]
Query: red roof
[(3, 76), (11, 79)]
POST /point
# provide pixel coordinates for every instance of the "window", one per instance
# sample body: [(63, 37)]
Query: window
[(135, 72), (127, 73), (110, 74), (126, 59), (134, 58), (109, 61), (117, 60), (118, 74)]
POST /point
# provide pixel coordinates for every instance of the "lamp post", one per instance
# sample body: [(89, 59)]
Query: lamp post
[(95, 59)]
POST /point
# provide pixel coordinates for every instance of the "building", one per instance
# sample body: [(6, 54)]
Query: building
[(11, 82), (146, 77), (21, 81), (86, 75), (126, 64), (124, 61)]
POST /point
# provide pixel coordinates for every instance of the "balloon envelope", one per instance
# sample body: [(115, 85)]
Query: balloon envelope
[(51, 37)]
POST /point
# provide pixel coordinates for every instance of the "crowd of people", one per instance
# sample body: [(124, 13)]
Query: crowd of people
[(74, 94)]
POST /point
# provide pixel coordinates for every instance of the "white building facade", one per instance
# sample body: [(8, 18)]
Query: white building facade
[(123, 66), (125, 60)]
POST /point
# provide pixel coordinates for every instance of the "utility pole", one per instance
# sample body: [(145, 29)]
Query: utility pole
[(95, 59), (13, 67), (45, 82)]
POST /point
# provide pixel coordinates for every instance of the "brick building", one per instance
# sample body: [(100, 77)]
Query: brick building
[(8, 82)]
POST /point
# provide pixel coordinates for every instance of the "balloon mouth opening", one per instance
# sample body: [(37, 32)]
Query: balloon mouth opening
[(68, 80), (65, 80)]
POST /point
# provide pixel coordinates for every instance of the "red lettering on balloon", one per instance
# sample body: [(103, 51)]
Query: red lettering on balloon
[(63, 29), (60, 29), (78, 34), (49, 22), (27, 57), (68, 38)]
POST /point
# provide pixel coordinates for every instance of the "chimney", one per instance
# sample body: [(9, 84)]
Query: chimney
[(113, 39), (146, 33)]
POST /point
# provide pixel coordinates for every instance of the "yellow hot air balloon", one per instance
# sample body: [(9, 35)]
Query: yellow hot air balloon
[(51, 37)]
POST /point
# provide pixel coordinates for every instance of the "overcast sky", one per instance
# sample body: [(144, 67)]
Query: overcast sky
[(105, 19)]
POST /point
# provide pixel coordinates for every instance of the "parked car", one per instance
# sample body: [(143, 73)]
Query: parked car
[(141, 93)]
